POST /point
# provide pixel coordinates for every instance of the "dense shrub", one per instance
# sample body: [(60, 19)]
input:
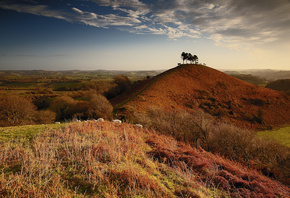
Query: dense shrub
[(98, 86), (44, 117), (99, 107), (42, 102), (16, 110), (185, 126), (66, 108), (63, 107), (122, 84), (200, 129), (231, 141), (42, 90), (80, 109)]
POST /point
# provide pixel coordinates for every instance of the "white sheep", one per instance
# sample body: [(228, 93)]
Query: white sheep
[(116, 121), (139, 126), (57, 122), (100, 120)]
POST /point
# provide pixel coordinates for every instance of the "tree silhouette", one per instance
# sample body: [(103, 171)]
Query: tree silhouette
[(184, 56), (190, 57), (195, 59)]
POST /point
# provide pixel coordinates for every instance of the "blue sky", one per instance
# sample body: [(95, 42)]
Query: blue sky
[(143, 35)]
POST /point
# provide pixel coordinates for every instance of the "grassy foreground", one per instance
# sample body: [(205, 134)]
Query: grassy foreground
[(25, 133), (91, 159)]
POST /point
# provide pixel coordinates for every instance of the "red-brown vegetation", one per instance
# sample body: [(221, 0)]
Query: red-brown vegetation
[(96, 159), (193, 87), (17, 110), (201, 129), (214, 170)]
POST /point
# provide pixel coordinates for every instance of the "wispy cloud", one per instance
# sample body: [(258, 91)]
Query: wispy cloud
[(77, 10), (231, 23), (41, 10)]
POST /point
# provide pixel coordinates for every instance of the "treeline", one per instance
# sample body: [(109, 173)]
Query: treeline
[(16, 110), (43, 106)]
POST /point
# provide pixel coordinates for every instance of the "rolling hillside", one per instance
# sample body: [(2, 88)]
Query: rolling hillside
[(280, 85), (103, 159), (193, 87)]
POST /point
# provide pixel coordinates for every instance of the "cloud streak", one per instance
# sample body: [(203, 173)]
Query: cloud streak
[(231, 23)]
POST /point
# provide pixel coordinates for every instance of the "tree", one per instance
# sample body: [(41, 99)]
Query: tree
[(122, 83), (184, 56), (99, 107), (190, 57), (195, 59), (63, 107), (44, 117), (16, 110)]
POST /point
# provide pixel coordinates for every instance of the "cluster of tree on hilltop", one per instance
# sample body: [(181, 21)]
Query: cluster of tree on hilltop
[(189, 57)]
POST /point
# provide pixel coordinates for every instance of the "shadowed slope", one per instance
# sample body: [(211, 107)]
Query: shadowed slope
[(191, 87)]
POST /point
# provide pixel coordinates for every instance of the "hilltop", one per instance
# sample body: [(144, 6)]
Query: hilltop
[(191, 87), (103, 159)]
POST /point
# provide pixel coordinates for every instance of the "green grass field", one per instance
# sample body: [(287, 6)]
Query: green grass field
[(26, 132), (281, 135)]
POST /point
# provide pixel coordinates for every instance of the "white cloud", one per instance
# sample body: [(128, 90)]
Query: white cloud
[(234, 24), (41, 10), (136, 4), (77, 10)]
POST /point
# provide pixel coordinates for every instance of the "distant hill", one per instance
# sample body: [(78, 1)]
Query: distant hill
[(280, 85), (268, 74), (15, 74), (255, 80), (193, 87)]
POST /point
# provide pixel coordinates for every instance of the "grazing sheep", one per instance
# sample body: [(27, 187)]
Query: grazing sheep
[(57, 123), (100, 120), (117, 121), (139, 126)]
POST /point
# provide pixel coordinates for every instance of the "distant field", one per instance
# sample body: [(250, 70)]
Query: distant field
[(62, 80), (282, 135)]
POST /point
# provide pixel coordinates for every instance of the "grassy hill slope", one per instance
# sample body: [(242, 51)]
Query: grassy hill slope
[(280, 85), (92, 159), (192, 87)]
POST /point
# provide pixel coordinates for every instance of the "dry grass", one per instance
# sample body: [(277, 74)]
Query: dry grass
[(109, 160), (215, 171), (191, 87), (201, 129)]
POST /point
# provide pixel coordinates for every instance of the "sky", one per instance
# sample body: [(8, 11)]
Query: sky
[(143, 34)]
